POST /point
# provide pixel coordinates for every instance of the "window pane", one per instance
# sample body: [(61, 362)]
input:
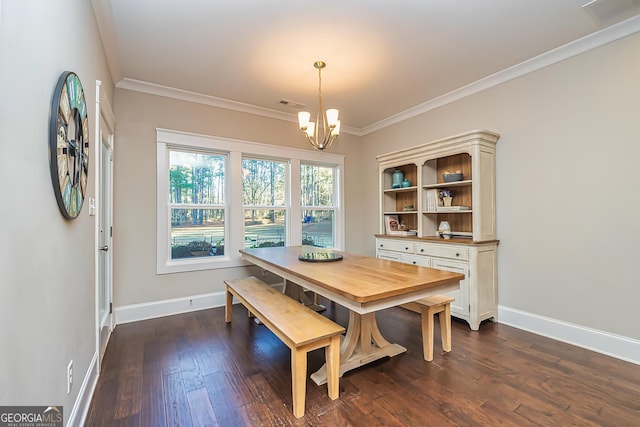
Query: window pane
[(316, 185), (317, 228), (196, 178), (263, 183), (264, 228), (197, 233)]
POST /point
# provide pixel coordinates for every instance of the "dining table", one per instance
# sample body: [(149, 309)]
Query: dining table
[(363, 284)]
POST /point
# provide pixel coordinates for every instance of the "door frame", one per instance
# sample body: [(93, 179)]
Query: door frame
[(104, 117)]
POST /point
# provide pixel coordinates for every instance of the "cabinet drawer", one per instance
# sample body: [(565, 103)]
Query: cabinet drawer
[(390, 255), (423, 261), (395, 245), (443, 251)]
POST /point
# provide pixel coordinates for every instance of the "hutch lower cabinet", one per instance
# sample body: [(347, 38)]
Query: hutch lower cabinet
[(477, 299)]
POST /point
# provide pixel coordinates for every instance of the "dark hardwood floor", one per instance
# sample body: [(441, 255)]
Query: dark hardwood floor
[(193, 369)]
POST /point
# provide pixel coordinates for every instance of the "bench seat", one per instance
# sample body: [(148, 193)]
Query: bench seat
[(299, 327)]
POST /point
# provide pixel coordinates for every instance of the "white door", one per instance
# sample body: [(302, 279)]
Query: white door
[(105, 311), (104, 230)]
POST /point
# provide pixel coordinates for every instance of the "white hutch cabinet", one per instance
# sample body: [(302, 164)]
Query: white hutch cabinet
[(472, 249)]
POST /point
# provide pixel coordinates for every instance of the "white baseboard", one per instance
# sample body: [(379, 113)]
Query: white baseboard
[(78, 414), (613, 345), (151, 310)]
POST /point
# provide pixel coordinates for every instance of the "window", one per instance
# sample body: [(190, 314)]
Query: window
[(216, 196), (318, 205), (196, 203), (263, 197)]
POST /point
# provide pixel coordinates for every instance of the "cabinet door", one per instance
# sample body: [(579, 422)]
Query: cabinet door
[(461, 304)]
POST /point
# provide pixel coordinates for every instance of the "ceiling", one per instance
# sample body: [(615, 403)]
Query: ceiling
[(384, 58)]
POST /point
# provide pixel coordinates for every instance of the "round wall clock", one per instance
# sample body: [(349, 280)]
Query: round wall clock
[(69, 144)]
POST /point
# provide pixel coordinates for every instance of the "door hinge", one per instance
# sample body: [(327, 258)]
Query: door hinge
[(110, 308)]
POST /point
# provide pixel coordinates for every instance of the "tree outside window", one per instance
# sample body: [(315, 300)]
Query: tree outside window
[(264, 201), (197, 204), (317, 199)]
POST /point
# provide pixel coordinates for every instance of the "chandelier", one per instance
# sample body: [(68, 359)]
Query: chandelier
[(326, 128)]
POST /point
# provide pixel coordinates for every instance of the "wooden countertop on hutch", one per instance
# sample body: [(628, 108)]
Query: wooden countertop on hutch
[(437, 239)]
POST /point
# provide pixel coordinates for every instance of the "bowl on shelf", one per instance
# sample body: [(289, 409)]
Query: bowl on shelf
[(452, 177)]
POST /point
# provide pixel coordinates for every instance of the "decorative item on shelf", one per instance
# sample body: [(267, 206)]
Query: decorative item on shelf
[(446, 196), (406, 183), (391, 223), (323, 132), (444, 230), (408, 208), (397, 179), (452, 176)]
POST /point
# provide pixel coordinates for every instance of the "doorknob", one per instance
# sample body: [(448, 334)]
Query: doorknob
[(105, 248)]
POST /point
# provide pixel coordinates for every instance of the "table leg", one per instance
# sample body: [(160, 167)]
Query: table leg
[(296, 292), (363, 343)]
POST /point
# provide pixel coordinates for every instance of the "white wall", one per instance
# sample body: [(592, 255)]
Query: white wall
[(46, 263), (137, 116), (568, 205)]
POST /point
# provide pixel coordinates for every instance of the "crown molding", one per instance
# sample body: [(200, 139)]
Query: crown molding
[(592, 41), (198, 98)]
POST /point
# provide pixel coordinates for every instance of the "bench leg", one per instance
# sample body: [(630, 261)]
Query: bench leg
[(299, 380), (228, 306), (445, 327), (427, 333), (332, 356)]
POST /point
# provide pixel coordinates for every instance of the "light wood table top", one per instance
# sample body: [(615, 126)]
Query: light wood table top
[(364, 282)]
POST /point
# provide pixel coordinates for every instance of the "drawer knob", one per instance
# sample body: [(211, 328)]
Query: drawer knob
[(381, 245), (414, 263), (406, 248), (421, 250), (457, 253)]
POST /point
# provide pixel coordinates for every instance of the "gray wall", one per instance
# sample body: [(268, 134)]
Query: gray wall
[(137, 117), (568, 205), (47, 309)]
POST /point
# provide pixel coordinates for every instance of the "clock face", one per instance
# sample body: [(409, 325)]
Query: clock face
[(69, 144)]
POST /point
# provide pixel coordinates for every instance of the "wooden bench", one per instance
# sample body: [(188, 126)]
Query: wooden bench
[(428, 307), (299, 327)]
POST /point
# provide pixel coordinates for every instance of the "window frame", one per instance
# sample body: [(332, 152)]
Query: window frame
[(335, 202), (236, 151)]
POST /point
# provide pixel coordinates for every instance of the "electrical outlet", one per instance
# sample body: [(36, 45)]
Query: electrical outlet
[(69, 376)]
